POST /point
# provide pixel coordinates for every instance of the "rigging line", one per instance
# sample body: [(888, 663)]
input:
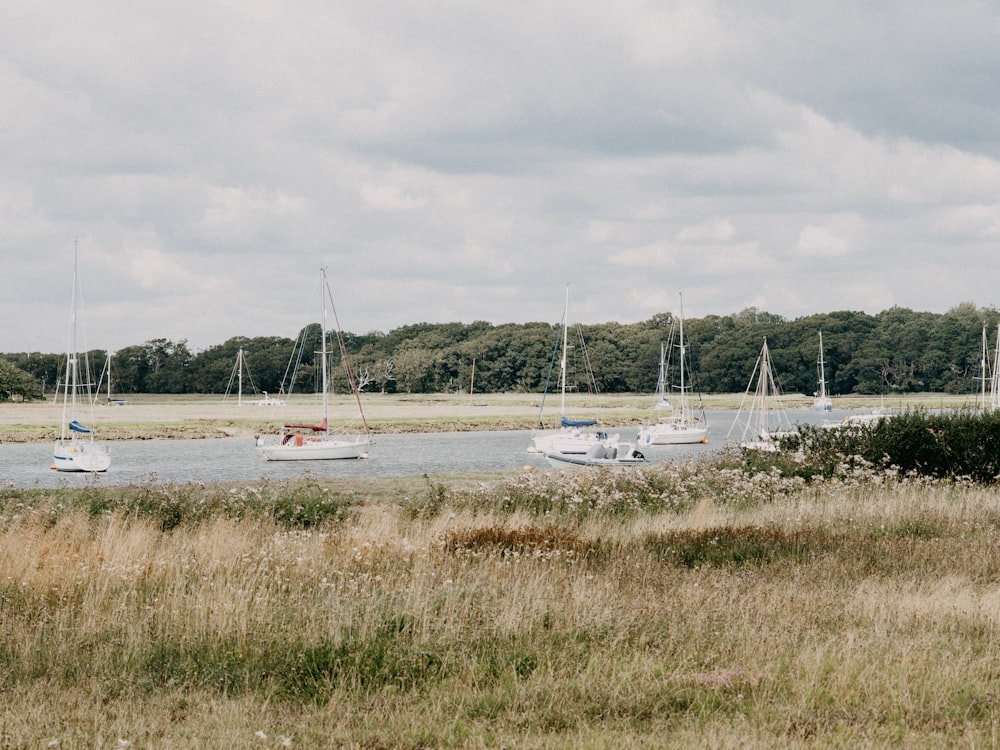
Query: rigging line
[(347, 360), (548, 378)]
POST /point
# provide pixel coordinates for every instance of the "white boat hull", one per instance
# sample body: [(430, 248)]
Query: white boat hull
[(80, 455), (672, 433), (315, 448), (571, 441)]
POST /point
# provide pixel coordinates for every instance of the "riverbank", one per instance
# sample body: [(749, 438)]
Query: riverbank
[(148, 417)]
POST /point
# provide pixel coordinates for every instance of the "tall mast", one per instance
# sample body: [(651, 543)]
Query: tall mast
[(72, 371), (239, 377), (681, 347), (822, 369), (562, 362), (995, 378), (763, 387), (326, 402), (985, 405)]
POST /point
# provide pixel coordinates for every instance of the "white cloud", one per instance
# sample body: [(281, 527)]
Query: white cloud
[(981, 222), (716, 230), (821, 242), (473, 157)]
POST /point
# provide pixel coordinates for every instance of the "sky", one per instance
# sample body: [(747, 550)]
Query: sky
[(460, 160)]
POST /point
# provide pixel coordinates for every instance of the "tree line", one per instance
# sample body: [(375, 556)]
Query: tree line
[(895, 351)]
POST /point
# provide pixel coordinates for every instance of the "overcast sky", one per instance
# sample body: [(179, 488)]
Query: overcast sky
[(458, 160)]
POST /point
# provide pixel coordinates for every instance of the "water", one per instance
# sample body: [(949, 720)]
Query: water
[(237, 459)]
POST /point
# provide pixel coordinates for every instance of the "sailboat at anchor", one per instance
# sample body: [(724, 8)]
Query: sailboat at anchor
[(76, 449), (572, 436), (313, 442), (822, 402), (686, 425)]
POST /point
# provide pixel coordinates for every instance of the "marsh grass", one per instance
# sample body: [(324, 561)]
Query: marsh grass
[(685, 606)]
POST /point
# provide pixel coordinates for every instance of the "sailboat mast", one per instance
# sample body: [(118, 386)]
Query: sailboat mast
[(763, 387), (982, 374), (661, 380), (995, 376), (239, 377), (326, 401), (681, 348), (562, 362), (822, 369), (72, 371)]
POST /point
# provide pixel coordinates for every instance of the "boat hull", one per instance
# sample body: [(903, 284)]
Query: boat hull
[(597, 455), (576, 461), (311, 448), (76, 455), (570, 441), (666, 433)]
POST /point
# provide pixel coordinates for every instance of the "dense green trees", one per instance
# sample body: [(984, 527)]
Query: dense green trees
[(895, 351), (16, 384)]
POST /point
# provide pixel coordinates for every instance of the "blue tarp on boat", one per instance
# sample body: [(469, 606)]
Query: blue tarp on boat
[(578, 422), (77, 427)]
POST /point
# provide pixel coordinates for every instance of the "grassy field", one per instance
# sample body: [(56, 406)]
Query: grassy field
[(677, 606)]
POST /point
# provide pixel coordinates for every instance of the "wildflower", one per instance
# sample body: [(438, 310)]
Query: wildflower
[(259, 734)]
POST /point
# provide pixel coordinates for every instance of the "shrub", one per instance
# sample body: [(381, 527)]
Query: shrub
[(954, 445)]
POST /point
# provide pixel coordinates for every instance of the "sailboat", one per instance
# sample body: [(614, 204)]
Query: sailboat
[(822, 401), (570, 437), (685, 425), (314, 442), (760, 423), (76, 449), (106, 373), (990, 376), (236, 375)]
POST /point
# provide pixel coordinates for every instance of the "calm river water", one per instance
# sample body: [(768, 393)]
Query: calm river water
[(237, 459)]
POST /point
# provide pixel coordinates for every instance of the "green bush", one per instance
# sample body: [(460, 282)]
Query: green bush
[(951, 445)]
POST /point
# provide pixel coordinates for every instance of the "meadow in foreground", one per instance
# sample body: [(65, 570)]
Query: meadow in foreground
[(701, 605)]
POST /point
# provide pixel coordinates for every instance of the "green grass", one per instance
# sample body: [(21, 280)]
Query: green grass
[(687, 606)]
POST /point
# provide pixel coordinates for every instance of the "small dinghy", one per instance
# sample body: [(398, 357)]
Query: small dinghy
[(597, 455)]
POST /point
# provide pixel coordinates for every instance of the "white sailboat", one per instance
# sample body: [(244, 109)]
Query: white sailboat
[(822, 401), (685, 425), (314, 442), (106, 375), (237, 374), (990, 375), (76, 449), (570, 438), (760, 423)]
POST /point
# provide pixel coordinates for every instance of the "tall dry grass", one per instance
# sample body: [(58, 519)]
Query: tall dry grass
[(538, 611)]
